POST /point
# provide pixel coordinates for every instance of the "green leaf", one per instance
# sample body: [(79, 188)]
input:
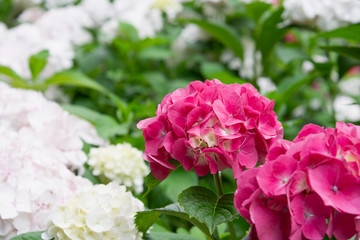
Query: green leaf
[(351, 32), (207, 207), (77, 79), (268, 32), (106, 125), (7, 74), (155, 53), (28, 236), (87, 174), (345, 64), (169, 236), (144, 220), (353, 52), (223, 33), (37, 62), (256, 9), (177, 181), (128, 31), (157, 81), (151, 182)]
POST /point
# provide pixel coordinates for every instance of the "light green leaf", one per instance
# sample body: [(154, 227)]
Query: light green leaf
[(207, 207), (37, 62), (7, 74), (223, 33), (106, 125), (351, 32), (144, 220), (353, 52), (28, 236), (75, 78)]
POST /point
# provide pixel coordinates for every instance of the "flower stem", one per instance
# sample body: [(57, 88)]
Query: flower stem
[(219, 189)]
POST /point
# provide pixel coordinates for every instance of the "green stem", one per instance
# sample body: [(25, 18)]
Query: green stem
[(219, 189)]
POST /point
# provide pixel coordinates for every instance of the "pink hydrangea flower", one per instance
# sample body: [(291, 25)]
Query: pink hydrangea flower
[(314, 181), (209, 127)]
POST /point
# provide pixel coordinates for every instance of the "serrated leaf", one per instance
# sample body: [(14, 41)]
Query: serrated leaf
[(207, 207), (75, 78), (28, 236), (106, 125), (145, 219), (351, 32), (223, 33), (37, 62), (353, 52)]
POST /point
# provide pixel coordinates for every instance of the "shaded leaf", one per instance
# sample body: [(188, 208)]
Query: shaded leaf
[(268, 32), (353, 52), (145, 219), (151, 182), (223, 33), (207, 207)]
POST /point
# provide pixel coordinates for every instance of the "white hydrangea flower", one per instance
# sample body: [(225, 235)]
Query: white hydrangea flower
[(121, 163), (33, 181), (98, 10), (19, 43), (66, 24), (322, 14), (31, 15), (146, 19), (29, 110), (266, 85), (99, 212)]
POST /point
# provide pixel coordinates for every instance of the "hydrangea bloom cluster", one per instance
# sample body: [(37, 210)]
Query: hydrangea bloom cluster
[(308, 188), (33, 180), (322, 14), (99, 212), (120, 163), (26, 110), (209, 127)]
